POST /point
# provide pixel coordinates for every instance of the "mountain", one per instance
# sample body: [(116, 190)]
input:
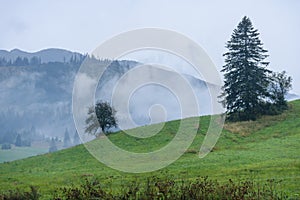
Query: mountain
[(46, 55), (39, 97)]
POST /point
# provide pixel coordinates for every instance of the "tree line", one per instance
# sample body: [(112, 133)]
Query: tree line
[(37, 61), (67, 141), (25, 138), (19, 61), (21, 138)]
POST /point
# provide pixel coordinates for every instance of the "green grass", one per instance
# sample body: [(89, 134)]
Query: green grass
[(268, 148), (17, 153)]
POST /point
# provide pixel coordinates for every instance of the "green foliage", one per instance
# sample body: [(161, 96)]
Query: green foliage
[(246, 76), (16, 153), (17, 194), (103, 116), (171, 189), (280, 85), (250, 90), (90, 189)]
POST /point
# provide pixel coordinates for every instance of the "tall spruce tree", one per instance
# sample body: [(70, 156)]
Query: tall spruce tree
[(76, 139), (67, 139), (245, 73), (52, 147), (18, 142)]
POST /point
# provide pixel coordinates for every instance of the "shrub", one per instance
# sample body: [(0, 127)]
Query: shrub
[(170, 189), (17, 194)]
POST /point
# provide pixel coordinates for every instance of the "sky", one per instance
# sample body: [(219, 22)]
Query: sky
[(81, 26)]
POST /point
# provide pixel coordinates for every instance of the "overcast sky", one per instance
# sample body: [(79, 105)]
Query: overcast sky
[(83, 25)]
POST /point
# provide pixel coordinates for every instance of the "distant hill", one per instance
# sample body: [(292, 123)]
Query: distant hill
[(46, 55), (40, 96)]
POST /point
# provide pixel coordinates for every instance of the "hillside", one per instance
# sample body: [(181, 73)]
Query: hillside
[(35, 94), (265, 149), (41, 92)]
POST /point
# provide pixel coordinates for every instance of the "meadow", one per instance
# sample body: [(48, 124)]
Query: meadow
[(259, 151), (16, 153)]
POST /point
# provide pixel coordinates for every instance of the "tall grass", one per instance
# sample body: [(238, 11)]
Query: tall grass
[(160, 188), (170, 189)]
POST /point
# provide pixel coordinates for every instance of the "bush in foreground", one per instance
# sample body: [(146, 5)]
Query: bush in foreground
[(170, 189), (17, 194), (160, 188)]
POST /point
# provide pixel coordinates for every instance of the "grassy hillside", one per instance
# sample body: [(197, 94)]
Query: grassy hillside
[(268, 148)]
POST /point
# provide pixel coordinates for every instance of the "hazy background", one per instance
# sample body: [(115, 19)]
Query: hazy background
[(82, 25)]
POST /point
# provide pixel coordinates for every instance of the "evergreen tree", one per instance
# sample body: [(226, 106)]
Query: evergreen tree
[(9, 63), (27, 137), (35, 61), (76, 139), (18, 61), (67, 140), (246, 76), (3, 61), (52, 146), (9, 137), (18, 142), (25, 61)]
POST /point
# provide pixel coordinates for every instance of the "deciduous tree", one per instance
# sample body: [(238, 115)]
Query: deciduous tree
[(101, 116)]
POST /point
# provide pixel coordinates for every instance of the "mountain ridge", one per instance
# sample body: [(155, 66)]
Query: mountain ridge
[(46, 55)]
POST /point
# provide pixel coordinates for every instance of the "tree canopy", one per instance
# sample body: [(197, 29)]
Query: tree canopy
[(248, 84), (101, 116)]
